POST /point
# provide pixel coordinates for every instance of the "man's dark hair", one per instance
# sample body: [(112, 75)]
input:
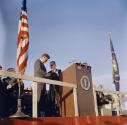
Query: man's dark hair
[(52, 62), (47, 55)]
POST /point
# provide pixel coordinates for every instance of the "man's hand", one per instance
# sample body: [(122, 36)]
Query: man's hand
[(48, 75)]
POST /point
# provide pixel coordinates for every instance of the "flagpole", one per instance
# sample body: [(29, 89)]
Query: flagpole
[(19, 113)]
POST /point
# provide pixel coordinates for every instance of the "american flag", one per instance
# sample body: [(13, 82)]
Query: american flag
[(23, 40), (115, 67)]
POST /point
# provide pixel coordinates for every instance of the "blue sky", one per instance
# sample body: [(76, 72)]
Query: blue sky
[(69, 30)]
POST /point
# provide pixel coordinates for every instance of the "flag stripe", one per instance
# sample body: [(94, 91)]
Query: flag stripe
[(21, 52), (22, 57), (24, 16), (24, 20), (24, 25), (23, 64), (20, 34), (24, 29)]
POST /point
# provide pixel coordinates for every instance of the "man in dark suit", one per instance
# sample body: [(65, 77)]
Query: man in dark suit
[(40, 71), (55, 74), (55, 91)]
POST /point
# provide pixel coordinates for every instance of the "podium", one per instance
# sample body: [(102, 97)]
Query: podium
[(79, 74)]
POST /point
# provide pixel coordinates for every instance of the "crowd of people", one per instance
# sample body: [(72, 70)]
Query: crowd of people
[(104, 99), (9, 93), (49, 96)]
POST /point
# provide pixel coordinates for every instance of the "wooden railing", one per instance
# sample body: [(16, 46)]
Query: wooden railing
[(38, 80)]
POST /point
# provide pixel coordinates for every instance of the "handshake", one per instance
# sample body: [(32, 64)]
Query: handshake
[(48, 75)]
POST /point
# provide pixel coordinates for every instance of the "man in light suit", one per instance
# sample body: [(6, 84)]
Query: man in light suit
[(40, 71)]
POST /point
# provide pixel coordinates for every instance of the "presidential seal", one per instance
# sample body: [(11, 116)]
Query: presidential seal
[(85, 83)]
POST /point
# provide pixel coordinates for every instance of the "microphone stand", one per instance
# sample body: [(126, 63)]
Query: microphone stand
[(19, 113)]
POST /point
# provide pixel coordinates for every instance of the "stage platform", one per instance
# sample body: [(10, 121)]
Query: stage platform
[(87, 120)]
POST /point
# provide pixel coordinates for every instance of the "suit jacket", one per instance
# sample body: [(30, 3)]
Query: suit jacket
[(39, 69), (55, 75)]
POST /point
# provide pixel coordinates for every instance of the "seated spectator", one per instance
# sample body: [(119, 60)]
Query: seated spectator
[(11, 86)]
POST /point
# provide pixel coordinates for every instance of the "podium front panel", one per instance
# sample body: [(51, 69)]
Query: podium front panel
[(80, 75)]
